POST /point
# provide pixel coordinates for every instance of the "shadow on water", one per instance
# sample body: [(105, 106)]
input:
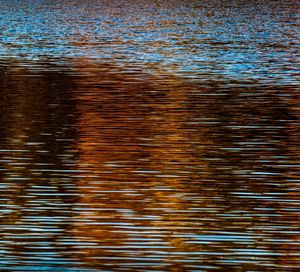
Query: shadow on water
[(37, 156), (114, 169)]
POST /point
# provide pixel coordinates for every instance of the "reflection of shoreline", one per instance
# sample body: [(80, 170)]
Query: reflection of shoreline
[(118, 126), (161, 167), (36, 153), (178, 155)]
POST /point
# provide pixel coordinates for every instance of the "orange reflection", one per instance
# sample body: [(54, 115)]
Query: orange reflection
[(133, 150)]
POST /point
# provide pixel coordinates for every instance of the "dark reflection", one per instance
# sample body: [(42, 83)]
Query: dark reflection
[(109, 169), (149, 135), (37, 159), (182, 176)]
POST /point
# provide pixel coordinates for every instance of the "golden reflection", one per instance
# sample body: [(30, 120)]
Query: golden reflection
[(133, 151), (108, 167), (158, 164)]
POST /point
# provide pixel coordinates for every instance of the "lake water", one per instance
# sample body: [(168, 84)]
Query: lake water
[(149, 136)]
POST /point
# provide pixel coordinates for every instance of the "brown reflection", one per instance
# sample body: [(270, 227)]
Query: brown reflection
[(247, 164), (288, 206), (36, 123), (173, 169), (133, 151), (109, 168)]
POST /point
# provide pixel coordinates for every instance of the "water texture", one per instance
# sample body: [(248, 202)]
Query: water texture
[(149, 136)]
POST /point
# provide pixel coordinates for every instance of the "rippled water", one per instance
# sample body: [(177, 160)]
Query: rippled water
[(149, 136)]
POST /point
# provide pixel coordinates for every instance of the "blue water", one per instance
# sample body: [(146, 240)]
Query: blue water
[(196, 39)]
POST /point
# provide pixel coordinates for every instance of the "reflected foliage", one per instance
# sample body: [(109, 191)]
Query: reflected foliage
[(103, 168), (149, 136)]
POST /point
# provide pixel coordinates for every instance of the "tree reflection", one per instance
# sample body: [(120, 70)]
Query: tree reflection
[(37, 135), (117, 169), (175, 169)]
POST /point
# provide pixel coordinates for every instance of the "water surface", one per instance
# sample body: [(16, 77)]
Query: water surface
[(149, 136)]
